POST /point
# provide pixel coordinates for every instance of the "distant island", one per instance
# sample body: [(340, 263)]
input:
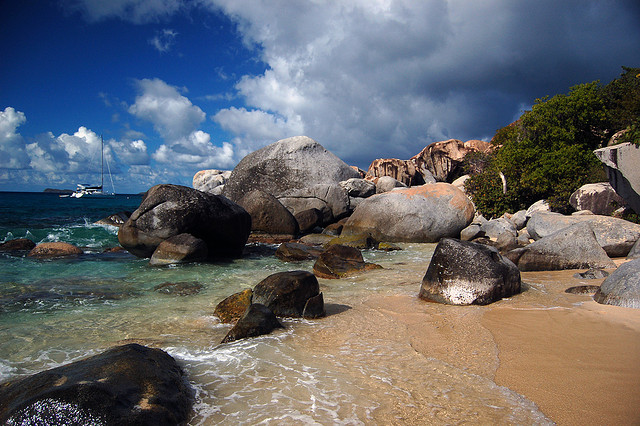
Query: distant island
[(58, 191)]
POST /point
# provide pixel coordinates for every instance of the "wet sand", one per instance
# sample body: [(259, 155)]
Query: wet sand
[(577, 360)]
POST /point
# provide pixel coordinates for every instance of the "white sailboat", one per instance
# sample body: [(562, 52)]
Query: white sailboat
[(88, 191)]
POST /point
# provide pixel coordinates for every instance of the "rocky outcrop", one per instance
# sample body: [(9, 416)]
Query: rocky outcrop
[(257, 320), (574, 247), (622, 287), (599, 198), (330, 199), (615, 236), (294, 252), (290, 294), (116, 219), (181, 248), (211, 181), (465, 273), (444, 159), (57, 249), (309, 219), (169, 210), (125, 385), (401, 170), (621, 162), (17, 245), (268, 215), (419, 214), (339, 261), (361, 188), (295, 163)]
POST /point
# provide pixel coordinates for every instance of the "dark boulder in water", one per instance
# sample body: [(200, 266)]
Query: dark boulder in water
[(292, 252), (287, 293), (622, 287), (256, 321), (18, 244), (233, 307), (339, 261), (125, 385), (465, 273), (583, 289), (181, 248), (592, 274), (268, 215), (169, 210), (185, 288)]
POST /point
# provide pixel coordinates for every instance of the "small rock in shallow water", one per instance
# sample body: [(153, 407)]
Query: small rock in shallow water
[(592, 274), (180, 288), (583, 289), (256, 321)]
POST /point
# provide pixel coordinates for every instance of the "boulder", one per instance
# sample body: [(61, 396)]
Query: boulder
[(329, 199), (268, 215), (233, 307), (211, 181), (622, 287), (356, 187), (181, 248), (334, 228), (125, 385), (444, 159), (635, 251), (293, 252), (402, 171), (116, 219), (358, 241), (287, 293), (583, 289), (459, 183), (519, 219), (57, 249), (257, 320), (339, 261), (621, 163), (470, 232), (419, 214), (309, 219), (465, 273), (316, 239), (183, 288), (18, 244), (574, 247), (538, 206), (615, 236), (502, 232), (591, 274), (168, 210), (296, 163), (599, 198), (387, 183)]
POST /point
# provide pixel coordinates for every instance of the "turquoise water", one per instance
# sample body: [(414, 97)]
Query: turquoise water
[(347, 368)]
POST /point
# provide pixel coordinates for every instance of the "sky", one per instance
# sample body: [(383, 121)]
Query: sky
[(176, 86)]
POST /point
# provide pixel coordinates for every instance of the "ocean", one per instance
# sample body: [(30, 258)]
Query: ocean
[(362, 364)]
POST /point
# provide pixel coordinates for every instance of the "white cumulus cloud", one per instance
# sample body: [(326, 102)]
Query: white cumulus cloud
[(12, 146)]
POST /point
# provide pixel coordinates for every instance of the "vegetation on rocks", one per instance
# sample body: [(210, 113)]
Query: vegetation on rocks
[(548, 152)]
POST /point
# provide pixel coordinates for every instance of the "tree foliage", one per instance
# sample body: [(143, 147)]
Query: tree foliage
[(548, 152)]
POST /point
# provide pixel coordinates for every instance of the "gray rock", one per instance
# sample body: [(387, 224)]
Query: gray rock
[(523, 237), (340, 261), (330, 199), (615, 236), (116, 219), (621, 162), (211, 181), (419, 214), (599, 198), (622, 287), (295, 163), (293, 252), (309, 219), (125, 385), (388, 183), (519, 218), (583, 289), (256, 321), (465, 273), (168, 210), (538, 206), (268, 215), (635, 251), (286, 293), (181, 248), (357, 187), (470, 232), (591, 274), (574, 247)]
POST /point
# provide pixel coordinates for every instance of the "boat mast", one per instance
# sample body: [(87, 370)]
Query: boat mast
[(102, 163)]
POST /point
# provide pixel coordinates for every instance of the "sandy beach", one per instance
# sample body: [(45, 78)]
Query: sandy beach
[(577, 360)]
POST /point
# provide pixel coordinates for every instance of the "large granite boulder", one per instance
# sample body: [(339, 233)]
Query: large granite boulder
[(621, 163), (309, 219), (330, 199), (290, 294), (211, 181), (54, 249), (295, 163), (419, 214), (403, 171), (387, 183), (17, 245), (181, 248), (599, 198), (125, 385), (257, 320), (444, 159), (615, 236), (268, 215), (339, 261), (465, 273), (357, 187), (168, 210), (622, 287), (574, 247)]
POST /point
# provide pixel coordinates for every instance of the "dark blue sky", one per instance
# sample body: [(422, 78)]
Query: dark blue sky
[(175, 86)]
